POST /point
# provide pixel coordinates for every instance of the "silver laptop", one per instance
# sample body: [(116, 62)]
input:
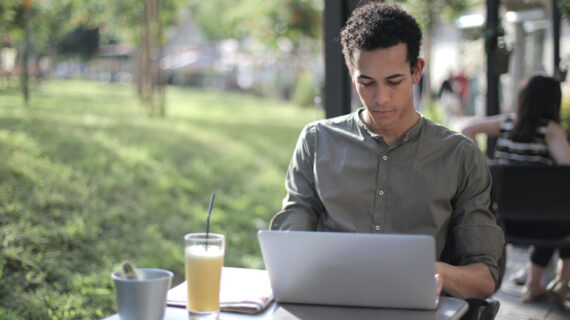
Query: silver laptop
[(351, 269)]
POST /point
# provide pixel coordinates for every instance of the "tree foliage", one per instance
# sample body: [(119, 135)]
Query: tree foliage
[(53, 20), (264, 20), (430, 12), (10, 15), (82, 41), (564, 6), (77, 27)]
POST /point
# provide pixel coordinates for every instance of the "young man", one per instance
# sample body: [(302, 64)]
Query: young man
[(387, 169)]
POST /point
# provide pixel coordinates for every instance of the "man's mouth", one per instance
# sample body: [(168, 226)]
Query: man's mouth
[(382, 110)]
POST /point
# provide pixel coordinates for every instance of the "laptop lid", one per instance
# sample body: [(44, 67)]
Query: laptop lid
[(351, 269)]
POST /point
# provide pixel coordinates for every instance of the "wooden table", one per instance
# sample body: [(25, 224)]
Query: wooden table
[(448, 309), (257, 282)]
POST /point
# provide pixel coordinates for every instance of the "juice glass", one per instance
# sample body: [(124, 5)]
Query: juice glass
[(204, 261)]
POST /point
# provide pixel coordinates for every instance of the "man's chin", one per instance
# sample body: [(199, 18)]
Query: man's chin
[(383, 116)]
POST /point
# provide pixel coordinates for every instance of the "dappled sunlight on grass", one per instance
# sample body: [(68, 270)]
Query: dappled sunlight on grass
[(88, 180)]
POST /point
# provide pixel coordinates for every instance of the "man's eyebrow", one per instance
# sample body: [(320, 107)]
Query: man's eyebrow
[(397, 75)]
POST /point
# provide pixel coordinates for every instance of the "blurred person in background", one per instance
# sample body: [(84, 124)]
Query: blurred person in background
[(532, 136)]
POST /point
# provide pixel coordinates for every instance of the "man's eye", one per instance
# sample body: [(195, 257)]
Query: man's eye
[(394, 83), (365, 84)]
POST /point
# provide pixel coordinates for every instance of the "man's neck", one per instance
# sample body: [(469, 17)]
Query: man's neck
[(390, 135)]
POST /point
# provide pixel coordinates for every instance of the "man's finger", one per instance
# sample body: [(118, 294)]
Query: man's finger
[(438, 283)]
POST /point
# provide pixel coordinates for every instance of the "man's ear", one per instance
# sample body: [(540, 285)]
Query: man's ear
[(417, 71)]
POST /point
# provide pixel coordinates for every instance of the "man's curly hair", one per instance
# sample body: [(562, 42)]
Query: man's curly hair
[(379, 25)]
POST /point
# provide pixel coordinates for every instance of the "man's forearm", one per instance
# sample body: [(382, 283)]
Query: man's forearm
[(291, 219), (470, 281)]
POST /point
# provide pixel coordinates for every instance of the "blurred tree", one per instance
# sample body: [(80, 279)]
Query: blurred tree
[(265, 20), (34, 28), (26, 51), (82, 41), (564, 6), (9, 10), (292, 28), (49, 23), (142, 22), (150, 76), (209, 15), (52, 25), (12, 17), (78, 26)]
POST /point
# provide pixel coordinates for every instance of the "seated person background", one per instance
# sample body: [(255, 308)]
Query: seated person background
[(387, 169), (533, 136)]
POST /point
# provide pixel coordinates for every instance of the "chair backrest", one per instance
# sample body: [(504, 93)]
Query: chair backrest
[(531, 193)]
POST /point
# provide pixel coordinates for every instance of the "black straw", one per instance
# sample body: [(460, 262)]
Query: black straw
[(208, 219)]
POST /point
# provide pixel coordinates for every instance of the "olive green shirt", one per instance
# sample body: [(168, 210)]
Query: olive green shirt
[(345, 178)]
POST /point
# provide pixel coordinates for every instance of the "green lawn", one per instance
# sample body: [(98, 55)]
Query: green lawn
[(88, 180)]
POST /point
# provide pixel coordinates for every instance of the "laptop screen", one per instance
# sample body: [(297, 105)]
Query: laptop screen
[(351, 269)]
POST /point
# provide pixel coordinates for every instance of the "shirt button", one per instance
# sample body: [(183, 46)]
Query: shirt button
[(381, 192), (377, 228), (385, 158)]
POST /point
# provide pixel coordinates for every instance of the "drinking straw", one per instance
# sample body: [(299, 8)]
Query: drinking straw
[(208, 218)]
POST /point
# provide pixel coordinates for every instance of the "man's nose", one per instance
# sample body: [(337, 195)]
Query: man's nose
[(381, 96)]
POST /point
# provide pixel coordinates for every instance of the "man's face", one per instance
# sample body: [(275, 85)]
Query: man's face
[(383, 80)]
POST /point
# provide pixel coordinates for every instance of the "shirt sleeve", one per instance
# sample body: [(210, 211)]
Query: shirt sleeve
[(302, 205), (475, 235)]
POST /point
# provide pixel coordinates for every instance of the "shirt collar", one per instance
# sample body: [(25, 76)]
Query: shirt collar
[(409, 135)]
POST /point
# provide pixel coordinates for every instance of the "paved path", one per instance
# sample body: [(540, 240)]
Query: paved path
[(509, 295)]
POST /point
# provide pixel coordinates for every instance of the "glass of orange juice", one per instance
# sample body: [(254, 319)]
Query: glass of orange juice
[(204, 261)]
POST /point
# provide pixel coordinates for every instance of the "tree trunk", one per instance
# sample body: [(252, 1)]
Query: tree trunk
[(25, 56), (160, 75), (147, 83), (52, 56), (138, 73), (149, 76)]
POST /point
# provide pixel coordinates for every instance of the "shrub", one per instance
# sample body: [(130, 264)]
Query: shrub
[(433, 111), (306, 89)]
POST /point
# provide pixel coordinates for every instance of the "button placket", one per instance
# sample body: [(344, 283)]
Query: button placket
[(381, 184)]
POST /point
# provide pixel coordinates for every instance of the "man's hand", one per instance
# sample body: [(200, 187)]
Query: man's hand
[(438, 284)]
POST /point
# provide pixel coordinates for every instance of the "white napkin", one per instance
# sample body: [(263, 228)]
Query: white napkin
[(242, 290)]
